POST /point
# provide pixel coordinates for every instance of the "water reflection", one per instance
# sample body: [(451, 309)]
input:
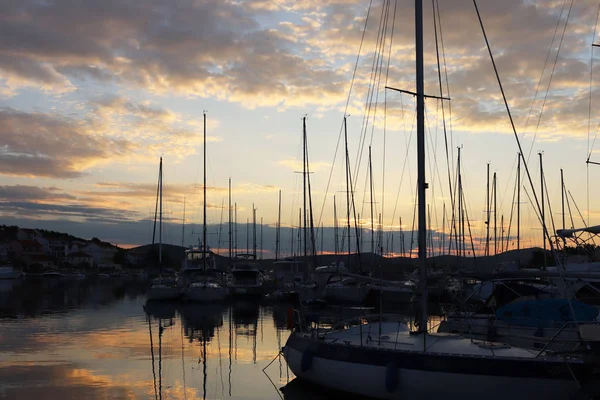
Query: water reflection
[(100, 338)]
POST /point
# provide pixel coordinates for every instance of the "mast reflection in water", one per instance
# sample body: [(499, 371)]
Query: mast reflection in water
[(98, 338)]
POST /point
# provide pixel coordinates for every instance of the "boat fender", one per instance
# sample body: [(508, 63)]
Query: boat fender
[(307, 358), (391, 377)]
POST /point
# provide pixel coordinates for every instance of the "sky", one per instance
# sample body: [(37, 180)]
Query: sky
[(93, 93)]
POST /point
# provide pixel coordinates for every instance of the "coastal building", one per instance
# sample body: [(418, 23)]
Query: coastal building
[(79, 259)]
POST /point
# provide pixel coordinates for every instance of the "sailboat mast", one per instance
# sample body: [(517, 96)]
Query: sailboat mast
[(543, 208), (495, 216), (347, 188), (254, 230), (461, 230), (160, 216), (304, 185), (487, 220), (562, 193), (204, 201), (519, 203), (422, 185), (229, 217), (371, 193)]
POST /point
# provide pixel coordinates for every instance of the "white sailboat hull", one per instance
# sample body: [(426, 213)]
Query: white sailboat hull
[(370, 380)]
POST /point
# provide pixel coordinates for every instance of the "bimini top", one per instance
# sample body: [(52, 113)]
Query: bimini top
[(569, 233)]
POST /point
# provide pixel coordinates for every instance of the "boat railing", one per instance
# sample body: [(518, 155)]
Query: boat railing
[(515, 328), (578, 325)]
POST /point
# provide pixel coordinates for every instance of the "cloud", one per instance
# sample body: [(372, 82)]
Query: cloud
[(50, 145), (33, 193), (198, 48)]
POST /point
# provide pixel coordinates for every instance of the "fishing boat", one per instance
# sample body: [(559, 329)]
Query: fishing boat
[(162, 287), (245, 278), (384, 358), (344, 290)]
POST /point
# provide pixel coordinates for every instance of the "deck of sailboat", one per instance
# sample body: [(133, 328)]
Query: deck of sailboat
[(395, 336)]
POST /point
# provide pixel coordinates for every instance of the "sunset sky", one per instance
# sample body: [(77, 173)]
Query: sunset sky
[(93, 93)]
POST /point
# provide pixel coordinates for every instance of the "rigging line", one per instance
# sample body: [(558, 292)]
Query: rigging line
[(577, 208), (537, 88), (385, 110), (345, 110), (380, 51), (550, 79), (434, 171), (375, 72), (570, 212), (406, 164), (439, 21), (437, 53), (549, 204), (537, 203), (591, 73), (512, 208)]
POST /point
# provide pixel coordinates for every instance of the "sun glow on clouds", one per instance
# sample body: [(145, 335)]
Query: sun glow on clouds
[(127, 83)]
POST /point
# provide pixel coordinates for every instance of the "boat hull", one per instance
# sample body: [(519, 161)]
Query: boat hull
[(206, 294), (345, 294), (243, 290), (394, 375), (163, 293)]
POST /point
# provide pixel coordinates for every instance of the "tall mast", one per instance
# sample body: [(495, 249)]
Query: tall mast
[(461, 230), (278, 232), (562, 193), (304, 184), (347, 188), (160, 216), (495, 216), (543, 208), (519, 203), (248, 234), (487, 220), (422, 185), (372, 230), (229, 218), (254, 230), (204, 202)]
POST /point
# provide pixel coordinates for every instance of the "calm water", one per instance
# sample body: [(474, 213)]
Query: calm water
[(99, 339)]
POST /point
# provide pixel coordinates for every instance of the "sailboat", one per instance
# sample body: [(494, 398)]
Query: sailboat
[(162, 288), (385, 359), (199, 276)]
